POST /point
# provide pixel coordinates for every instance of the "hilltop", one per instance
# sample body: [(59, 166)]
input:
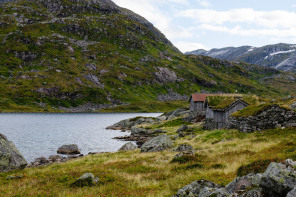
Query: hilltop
[(279, 56), (87, 55)]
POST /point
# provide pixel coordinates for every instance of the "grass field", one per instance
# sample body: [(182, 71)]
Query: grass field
[(220, 155)]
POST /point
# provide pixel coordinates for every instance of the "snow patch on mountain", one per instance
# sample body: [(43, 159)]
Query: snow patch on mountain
[(281, 52)]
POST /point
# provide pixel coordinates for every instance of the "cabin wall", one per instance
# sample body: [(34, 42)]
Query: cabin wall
[(221, 117), (196, 106), (192, 105), (199, 106), (209, 113), (235, 108)]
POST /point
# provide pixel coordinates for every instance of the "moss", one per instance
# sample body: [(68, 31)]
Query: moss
[(254, 110), (258, 166), (223, 101)]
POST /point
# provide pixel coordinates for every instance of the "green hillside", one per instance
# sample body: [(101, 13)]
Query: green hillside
[(56, 55)]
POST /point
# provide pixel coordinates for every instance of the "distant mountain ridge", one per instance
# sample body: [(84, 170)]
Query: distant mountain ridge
[(279, 56)]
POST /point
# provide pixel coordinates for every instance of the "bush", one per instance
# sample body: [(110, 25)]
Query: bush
[(185, 159)]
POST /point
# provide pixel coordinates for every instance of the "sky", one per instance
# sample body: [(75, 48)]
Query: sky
[(207, 24)]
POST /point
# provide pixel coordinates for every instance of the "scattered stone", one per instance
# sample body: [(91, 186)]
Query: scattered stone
[(87, 179), (187, 153), (127, 147), (277, 181), (184, 148), (183, 128), (71, 149), (10, 157), (55, 158), (194, 189), (156, 144)]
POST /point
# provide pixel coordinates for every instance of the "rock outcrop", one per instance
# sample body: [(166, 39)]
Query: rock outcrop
[(279, 180), (129, 123), (10, 157), (270, 118), (156, 144), (71, 149)]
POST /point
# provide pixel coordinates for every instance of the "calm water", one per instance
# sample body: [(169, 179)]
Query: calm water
[(38, 135)]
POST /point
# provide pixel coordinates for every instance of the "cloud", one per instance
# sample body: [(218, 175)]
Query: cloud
[(189, 46), (238, 30), (204, 3), (276, 18)]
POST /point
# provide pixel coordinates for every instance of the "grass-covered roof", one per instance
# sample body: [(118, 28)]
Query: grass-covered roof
[(223, 101), (254, 110)]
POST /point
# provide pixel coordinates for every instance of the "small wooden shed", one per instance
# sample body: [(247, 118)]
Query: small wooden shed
[(217, 116), (197, 101)]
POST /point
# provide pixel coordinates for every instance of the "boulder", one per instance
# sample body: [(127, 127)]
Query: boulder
[(55, 158), (279, 179), (127, 147), (71, 149), (156, 144), (254, 193), (183, 128), (87, 179), (10, 157), (138, 131), (242, 183), (184, 148), (292, 193), (210, 192), (194, 189)]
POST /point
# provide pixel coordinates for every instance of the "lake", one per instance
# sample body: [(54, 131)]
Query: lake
[(37, 135)]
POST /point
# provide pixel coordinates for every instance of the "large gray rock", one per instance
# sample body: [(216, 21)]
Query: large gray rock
[(138, 131), (213, 192), (87, 179), (127, 147), (10, 157), (71, 149), (292, 193), (254, 193), (278, 179), (194, 189), (184, 148), (242, 183), (156, 144)]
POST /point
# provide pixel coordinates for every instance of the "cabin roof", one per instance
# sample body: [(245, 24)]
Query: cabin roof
[(224, 102), (199, 97)]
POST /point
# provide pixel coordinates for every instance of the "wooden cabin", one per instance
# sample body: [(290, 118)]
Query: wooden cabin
[(197, 101), (217, 115)]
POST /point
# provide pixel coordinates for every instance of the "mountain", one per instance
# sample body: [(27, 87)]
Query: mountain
[(58, 54), (278, 56)]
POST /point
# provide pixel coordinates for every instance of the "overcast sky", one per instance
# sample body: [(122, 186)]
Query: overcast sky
[(206, 24)]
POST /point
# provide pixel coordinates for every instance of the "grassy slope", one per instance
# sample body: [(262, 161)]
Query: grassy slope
[(220, 154), (125, 55)]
